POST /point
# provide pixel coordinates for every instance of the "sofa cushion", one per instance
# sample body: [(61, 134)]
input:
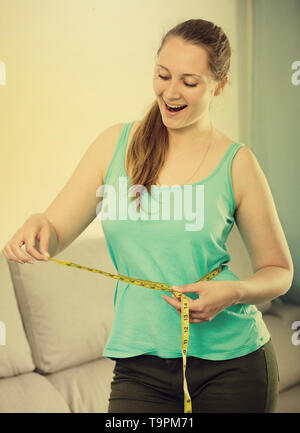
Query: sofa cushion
[(289, 400), (264, 307), (85, 388), (15, 354), (279, 320), (28, 393), (67, 312)]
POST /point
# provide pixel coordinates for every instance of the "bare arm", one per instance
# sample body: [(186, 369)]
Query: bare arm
[(74, 208), (258, 222)]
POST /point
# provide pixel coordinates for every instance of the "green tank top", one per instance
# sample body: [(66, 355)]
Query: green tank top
[(178, 237)]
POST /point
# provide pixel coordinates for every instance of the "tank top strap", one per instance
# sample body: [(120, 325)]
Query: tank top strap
[(227, 166), (231, 152), (123, 142), (222, 171), (233, 149)]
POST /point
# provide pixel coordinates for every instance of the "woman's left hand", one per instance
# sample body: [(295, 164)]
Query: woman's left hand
[(214, 296)]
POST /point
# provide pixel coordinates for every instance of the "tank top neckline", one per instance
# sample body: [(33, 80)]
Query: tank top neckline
[(218, 167)]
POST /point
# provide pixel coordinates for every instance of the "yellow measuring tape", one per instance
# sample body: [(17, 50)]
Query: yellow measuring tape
[(184, 310)]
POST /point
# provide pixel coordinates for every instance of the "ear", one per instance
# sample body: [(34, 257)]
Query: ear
[(220, 87)]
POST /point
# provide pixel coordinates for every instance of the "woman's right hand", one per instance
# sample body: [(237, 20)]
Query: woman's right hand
[(35, 227)]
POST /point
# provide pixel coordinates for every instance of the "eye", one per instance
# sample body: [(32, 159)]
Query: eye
[(190, 85), (166, 78)]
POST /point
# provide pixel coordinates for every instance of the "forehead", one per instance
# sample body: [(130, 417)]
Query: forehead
[(179, 55)]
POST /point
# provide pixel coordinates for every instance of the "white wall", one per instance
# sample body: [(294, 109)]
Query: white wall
[(74, 68)]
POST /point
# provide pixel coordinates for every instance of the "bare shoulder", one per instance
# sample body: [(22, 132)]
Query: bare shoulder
[(134, 127), (108, 136), (245, 171), (245, 159), (104, 142)]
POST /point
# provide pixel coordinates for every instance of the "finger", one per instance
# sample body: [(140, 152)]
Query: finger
[(191, 288), (15, 253), (6, 251), (31, 249), (44, 241), (193, 303), (196, 321), (174, 302), (201, 319)]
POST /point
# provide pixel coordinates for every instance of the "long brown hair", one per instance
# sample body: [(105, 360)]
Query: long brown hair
[(150, 142)]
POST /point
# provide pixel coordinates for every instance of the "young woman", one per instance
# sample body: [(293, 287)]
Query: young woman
[(175, 153)]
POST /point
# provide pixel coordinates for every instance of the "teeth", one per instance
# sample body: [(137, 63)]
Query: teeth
[(174, 106)]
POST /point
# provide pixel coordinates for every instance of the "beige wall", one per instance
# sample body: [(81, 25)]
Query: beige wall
[(75, 67)]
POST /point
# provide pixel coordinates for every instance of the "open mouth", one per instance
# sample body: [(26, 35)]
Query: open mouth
[(175, 108)]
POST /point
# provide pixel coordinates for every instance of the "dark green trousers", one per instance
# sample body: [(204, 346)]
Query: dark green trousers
[(150, 384)]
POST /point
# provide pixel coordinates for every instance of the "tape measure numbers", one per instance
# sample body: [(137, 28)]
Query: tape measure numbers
[(160, 286)]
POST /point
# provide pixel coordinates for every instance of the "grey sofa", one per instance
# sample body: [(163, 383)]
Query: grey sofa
[(55, 321)]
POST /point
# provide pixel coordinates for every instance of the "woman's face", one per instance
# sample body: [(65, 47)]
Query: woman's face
[(181, 77)]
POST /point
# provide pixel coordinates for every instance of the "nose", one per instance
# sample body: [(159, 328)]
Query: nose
[(172, 92)]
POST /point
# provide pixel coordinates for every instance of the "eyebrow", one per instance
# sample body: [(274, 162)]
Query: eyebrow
[(184, 75)]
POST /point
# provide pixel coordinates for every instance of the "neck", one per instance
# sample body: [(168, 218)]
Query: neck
[(191, 136)]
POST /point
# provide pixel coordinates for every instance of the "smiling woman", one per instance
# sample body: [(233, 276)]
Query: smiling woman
[(231, 364), (186, 78)]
